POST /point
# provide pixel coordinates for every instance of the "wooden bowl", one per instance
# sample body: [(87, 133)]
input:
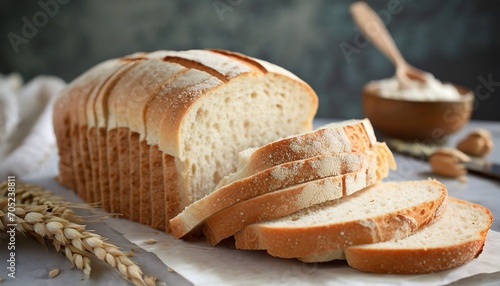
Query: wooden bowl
[(417, 120)]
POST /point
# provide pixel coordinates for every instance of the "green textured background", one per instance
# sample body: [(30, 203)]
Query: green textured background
[(458, 41)]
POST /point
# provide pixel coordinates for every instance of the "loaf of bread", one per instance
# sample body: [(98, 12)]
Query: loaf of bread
[(217, 141), (150, 133)]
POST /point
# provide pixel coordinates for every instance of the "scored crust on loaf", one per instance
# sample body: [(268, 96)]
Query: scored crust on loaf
[(453, 240), (333, 138), (278, 177), (227, 104), (378, 213), (284, 202)]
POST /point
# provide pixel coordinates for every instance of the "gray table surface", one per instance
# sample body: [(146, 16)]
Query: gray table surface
[(34, 261)]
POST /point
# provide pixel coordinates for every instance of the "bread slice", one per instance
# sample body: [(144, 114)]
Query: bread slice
[(455, 239), (157, 193), (145, 183), (284, 202), (378, 213), (135, 179), (275, 178), (151, 77), (123, 149), (333, 138)]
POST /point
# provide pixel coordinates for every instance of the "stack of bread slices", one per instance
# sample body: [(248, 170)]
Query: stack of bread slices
[(318, 196)]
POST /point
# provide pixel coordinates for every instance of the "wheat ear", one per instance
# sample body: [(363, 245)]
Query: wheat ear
[(46, 216)]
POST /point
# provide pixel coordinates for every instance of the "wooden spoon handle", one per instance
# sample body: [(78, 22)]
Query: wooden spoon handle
[(374, 29)]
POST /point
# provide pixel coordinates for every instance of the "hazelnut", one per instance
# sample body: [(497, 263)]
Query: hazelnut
[(477, 143), (448, 162)]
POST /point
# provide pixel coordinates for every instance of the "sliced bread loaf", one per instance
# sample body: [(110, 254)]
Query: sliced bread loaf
[(201, 112), (333, 138), (451, 241), (274, 178), (378, 213), (284, 202), (288, 200)]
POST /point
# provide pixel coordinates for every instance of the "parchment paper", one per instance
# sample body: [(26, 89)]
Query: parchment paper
[(203, 264)]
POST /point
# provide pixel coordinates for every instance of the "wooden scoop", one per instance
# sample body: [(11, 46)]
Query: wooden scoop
[(374, 29)]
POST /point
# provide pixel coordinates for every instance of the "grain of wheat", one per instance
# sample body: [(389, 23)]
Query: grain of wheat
[(150, 280), (150, 241), (54, 272), (129, 253)]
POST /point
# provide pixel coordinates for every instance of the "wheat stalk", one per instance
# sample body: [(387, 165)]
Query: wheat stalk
[(29, 194), (43, 215)]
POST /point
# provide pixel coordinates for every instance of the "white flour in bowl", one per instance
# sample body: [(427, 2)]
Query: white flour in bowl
[(430, 90)]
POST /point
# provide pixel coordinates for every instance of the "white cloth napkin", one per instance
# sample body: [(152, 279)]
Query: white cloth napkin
[(27, 139)]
